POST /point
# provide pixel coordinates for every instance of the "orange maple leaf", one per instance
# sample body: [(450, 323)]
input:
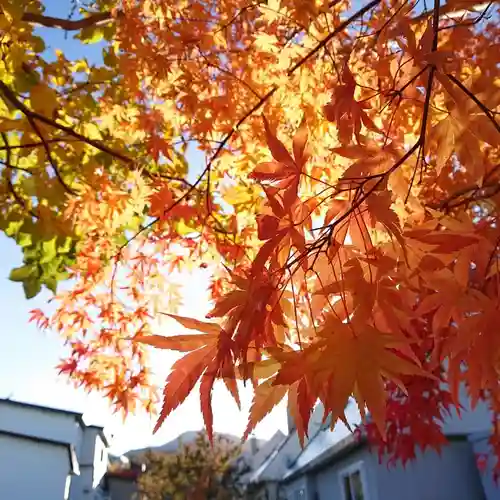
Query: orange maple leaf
[(182, 379), (283, 174), (209, 358), (347, 113), (363, 356), (267, 395), (164, 205), (251, 308)]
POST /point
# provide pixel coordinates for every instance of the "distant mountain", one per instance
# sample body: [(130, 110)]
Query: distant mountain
[(188, 438)]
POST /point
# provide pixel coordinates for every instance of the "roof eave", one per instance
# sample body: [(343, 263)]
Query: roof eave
[(336, 452)]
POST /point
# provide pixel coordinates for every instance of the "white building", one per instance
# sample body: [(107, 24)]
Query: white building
[(66, 458)]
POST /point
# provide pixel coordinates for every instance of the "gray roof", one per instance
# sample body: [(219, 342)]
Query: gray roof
[(258, 475), (105, 436), (332, 445), (264, 450), (77, 415), (324, 453), (325, 440), (288, 449)]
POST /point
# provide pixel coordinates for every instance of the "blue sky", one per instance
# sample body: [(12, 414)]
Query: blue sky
[(29, 356)]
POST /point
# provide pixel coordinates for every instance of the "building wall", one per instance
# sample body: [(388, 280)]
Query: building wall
[(451, 476), (482, 449), (328, 483), (35, 422), (63, 427), (297, 489), (122, 489), (81, 486), (100, 460), (469, 420), (30, 470), (93, 453), (93, 458)]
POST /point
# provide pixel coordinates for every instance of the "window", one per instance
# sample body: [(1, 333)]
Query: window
[(353, 483)]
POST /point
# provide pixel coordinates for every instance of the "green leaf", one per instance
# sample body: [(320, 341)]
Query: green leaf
[(38, 44), (66, 246), (49, 251), (51, 267), (21, 273), (51, 284), (24, 239), (93, 34), (32, 288), (13, 227)]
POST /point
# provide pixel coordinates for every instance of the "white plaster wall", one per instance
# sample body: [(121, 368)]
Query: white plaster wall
[(32, 471), (100, 460)]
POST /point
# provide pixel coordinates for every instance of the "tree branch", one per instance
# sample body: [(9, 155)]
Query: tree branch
[(488, 113), (68, 24), (48, 153), (10, 184), (11, 97), (222, 144), (451, 11)]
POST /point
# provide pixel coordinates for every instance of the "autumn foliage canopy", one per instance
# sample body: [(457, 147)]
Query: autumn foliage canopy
[(347, 210)]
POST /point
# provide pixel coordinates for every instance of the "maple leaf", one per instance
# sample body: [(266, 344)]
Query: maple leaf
[(39, 317), (267, 396), (182, 379), (282, 230), (300, 405), (209, 357), (164, 205), (347, 113), (379, 208), (68, 366), (177, 342), (365, 357), (252, 308), (284, 172)]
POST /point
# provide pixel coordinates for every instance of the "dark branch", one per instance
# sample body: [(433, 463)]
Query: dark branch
[(48, 153), (340, 28), (68, 24), (11, 97), (480, 105), (451, 10), (10, 184)]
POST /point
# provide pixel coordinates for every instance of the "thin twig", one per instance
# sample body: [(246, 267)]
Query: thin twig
[(50, 158), (10, 184), (481, 106)]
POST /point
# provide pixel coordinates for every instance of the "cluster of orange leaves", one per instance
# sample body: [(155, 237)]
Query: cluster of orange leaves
[(360, 260)]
